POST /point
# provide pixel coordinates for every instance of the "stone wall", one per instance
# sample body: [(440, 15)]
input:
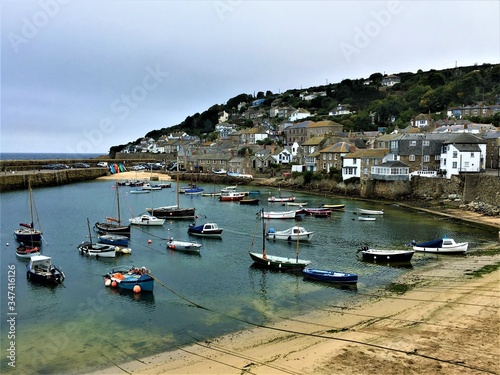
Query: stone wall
[(19, 180)]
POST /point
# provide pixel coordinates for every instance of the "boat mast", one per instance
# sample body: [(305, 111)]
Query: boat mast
[(31, 205), (264, 255), (118, 203), (90, 233)]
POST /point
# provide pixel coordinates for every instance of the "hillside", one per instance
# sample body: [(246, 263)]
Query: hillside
[(372, 105)]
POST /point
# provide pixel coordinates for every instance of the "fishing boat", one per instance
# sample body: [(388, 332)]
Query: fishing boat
[(185, 246), (113, 225), (205, 230), (443, 245), (301, 204), (28, 234), (281, 199), (41, 270), (147, 220), (277, 262), (231, 196), (290, 234), (370, 212), (114, 239), (129, 278), (277, 214), (174, 211), (386, 256), (27, 251), (329, 276)]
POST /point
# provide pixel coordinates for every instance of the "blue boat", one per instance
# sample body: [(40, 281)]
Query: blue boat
[(129, 278), (329, 276), (114, 239), (205, 230)]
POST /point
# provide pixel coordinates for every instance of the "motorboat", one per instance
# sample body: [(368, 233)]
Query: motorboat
[(231, 196), (291, 234), (281, 199), (366, 218), (205, 230), (40, 269), (186, 246), (114, 239), (442, 245), (98, 250), (147, 220)]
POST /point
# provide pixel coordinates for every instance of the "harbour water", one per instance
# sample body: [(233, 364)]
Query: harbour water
[(81, 325)]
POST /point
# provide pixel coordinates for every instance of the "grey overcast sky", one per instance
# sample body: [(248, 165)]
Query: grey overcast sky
[(82, 76)]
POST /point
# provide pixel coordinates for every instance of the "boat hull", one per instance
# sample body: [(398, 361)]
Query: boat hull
[(370, 212), (278, 215), (41, 270), (127, 280), (28, 235), (190, 247), (330, 276), (173, 213), (441, 246), (279, 263), (110, 228), (147, 220), (114, 239), (250, 201), (97, 250), (374, 255)]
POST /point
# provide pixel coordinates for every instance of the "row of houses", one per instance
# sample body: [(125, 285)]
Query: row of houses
[(323, 147)]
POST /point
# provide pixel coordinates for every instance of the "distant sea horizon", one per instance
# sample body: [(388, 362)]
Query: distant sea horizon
[(47, 155)]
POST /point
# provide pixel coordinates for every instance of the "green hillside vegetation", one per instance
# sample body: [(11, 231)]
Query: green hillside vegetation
[(374, 105)]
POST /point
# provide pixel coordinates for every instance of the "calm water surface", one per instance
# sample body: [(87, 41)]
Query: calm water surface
[(82, 325)]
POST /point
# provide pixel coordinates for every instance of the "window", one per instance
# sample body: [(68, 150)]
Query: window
[(329, 156), (455, 154), (412, 158), (471, 154), (454, 165), (427, 158), (437, 157), (413, 143), (466, 164), (426, 143)]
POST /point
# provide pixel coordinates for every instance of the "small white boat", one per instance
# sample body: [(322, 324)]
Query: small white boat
[(139, 191), (278, 214), (205, 230), (148, 186), (302, 204), (146, 220), (442, 245), (98, 250), (290, 234), (281, 199), (366, 218), (370, 212), (190, 247)]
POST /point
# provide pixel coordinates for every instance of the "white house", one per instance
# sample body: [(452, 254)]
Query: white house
[(463, 153), (299, 114), (284, 157)]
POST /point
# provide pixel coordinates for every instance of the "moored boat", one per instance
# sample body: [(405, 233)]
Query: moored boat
[(27, 251), (113, 225), (205, 230), (113, 239), (253, 201), (442, 245), (231, 196), (366, 218), (40, 269), (291, 234), (147, 220), (334, 206), (370, 212), (281, 199), (129, 278), (329, 276), (277, 262), (278, 214), (185, 246), (386, 256), (27, 233)]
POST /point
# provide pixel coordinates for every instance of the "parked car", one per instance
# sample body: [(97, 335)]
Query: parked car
[(55, 166), (102, 164), (81, 165)]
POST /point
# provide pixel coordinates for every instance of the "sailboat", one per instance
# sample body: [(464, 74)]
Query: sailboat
[(113, 225), (277, 262), (175, 211), (28, 233), (97, 250)]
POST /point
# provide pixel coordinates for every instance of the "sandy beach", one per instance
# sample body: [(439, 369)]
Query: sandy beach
[(443, 319)]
